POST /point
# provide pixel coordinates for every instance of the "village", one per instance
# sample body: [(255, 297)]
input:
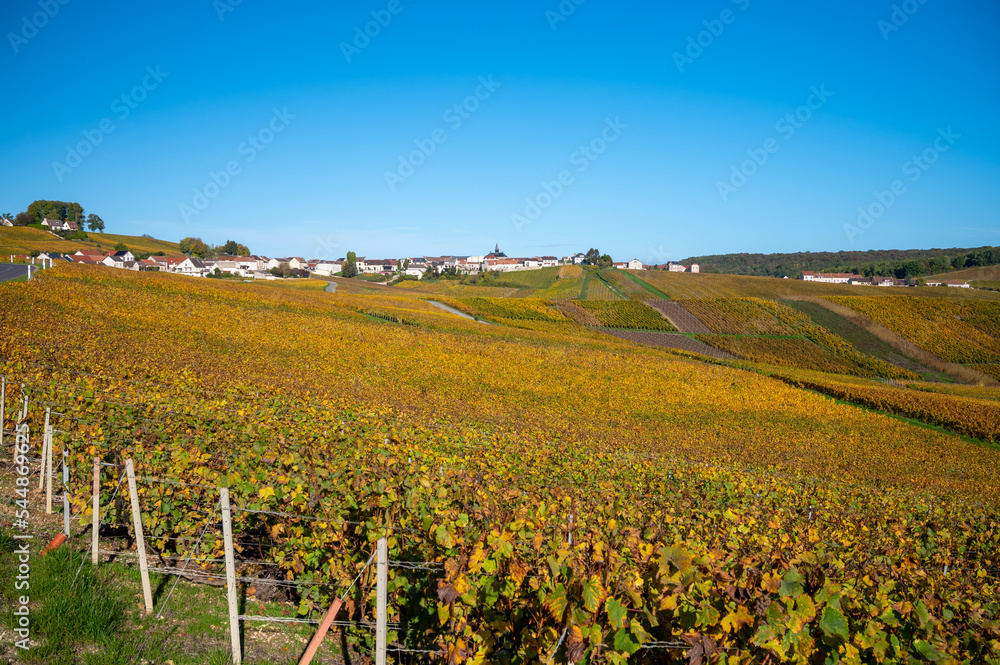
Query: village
[(415, 267), (268, 268)]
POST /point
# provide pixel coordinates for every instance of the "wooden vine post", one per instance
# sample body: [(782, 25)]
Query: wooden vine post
[(96, 526), (65, 478), (231, 591), (140, 542), (41, 471), (382, 577), (47, 444)]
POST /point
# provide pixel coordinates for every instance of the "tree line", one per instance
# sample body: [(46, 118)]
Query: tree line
[(201, 249), (901, 264), (63, 211)]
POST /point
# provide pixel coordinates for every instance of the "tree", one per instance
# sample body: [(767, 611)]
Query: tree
[(350, 267), (24, 219), (605, 261), (230, 248), (95, 223), (194, 246), (592, 257), (121, 247), (7, 215)]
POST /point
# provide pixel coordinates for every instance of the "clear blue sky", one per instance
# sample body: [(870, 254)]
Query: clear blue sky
[(320, 186)]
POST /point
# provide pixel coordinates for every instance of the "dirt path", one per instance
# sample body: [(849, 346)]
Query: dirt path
[(452, 310)]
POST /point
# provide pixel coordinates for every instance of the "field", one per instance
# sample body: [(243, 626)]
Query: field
[(703, 285), (967, 332), (773, 333), (556, 490), (21, 240)]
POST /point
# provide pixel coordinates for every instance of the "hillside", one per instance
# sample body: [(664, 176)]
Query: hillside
[(891, 262), (521, 475), (25, 240)]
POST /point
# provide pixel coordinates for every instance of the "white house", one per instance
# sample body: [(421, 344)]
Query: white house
[(635, 264), (191, 266), (298, 263), (326, 269), (578, 258), (828, 277), (59, 225), (275, 263), (7, 222), (958, 285)]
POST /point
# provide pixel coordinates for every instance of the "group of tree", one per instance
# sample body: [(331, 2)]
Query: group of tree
[(350, 267), (63, 211), (593, 257), (197, 247), (901, 264)]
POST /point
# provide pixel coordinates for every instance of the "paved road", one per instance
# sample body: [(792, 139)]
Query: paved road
[(13, 271)]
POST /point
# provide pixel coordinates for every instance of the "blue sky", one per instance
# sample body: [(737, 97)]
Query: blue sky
[(649, 130)]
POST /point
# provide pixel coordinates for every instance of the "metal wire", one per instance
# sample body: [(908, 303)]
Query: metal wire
[(166, 600)]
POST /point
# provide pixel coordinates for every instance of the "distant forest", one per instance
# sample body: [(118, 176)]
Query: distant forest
[(899, 263)]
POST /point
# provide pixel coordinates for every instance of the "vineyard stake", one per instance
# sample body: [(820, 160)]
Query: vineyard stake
[(382, 578), (65, 492), (45, 445), (48, 469), (96, 527), (234, 614), (140, 542)]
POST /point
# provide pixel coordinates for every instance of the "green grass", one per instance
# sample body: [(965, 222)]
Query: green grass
[(648, 287), (99, 619)]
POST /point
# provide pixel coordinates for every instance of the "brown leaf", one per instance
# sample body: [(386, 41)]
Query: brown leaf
[(702, 648), (575, 645), (447, 592), (739, 594)]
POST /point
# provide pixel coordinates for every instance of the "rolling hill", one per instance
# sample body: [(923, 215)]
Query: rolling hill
[(25, 240)]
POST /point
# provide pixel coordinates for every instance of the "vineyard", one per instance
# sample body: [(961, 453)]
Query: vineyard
[(627, 314), (630, 507), (504, 310), (966, 332), (773, 333)]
